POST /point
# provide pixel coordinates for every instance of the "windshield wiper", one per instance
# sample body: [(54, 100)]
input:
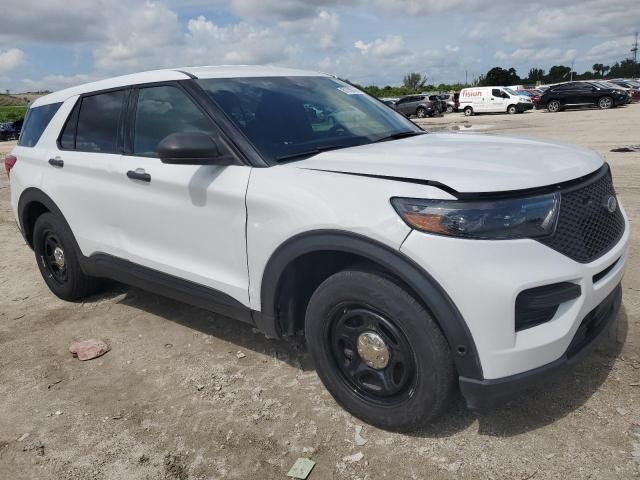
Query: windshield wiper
[(313, 151), (399, 135)]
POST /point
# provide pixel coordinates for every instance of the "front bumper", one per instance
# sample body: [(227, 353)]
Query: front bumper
[(483, 279), (480, 394), (523, 107)]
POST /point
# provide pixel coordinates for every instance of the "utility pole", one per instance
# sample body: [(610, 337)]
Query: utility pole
[(572, 62), (465, 79), (634, 50)]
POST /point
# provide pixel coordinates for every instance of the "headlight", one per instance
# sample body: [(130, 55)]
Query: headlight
[(510, 218)]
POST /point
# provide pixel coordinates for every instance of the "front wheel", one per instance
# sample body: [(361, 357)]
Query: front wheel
[(378, 351), (58, 261), (512, 109), (605, 103)]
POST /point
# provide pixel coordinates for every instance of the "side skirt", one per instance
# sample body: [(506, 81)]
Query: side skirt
[(107, 266)]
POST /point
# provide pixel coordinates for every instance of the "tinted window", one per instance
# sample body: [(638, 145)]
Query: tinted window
[(496, 92), (98, 122), (68, 137), (162, 111), (289, 117), (35, 122)]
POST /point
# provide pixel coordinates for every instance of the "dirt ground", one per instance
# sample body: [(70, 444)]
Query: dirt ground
[(185, 394)]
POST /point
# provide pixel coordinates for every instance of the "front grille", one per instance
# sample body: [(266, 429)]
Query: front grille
[(586, 229)]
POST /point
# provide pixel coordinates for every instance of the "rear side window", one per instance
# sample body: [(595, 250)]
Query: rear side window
[(99, 121), (35, 122), (162, 111), (68, 137)]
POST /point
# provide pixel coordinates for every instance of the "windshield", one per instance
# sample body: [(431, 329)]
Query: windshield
[(509, 91), (285, 117)]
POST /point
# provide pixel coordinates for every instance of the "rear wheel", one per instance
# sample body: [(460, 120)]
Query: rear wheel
[(449, 109), (511, 109), (553, 106), (58, 261), (605, 103), (468, 111), (421, 112), (378, 351)]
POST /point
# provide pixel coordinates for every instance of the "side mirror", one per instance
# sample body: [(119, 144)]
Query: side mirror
[(192, 148)]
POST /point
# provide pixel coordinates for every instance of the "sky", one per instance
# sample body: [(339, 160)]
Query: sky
[(52, 44)]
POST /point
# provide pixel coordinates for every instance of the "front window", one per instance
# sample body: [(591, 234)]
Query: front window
[(289, 117)]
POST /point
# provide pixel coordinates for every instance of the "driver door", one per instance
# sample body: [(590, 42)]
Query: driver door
[(187, 221)]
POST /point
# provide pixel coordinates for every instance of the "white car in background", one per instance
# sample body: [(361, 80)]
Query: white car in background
[(492, 100), (409, 261)]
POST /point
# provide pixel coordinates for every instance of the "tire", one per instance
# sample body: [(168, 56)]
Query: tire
[(421, 112), (413, 387), (468, 111), (449, 109), (60, 269), (605, 103), (553, 106), (511, 110)]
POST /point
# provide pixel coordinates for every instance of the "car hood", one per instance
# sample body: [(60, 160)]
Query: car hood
[(465, 162)]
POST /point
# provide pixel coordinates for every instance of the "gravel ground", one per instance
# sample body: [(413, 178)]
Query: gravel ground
[(185, 394)]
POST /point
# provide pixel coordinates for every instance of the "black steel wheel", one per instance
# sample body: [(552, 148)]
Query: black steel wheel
[(378, 351), (58, 259), (372, 354), (52, 258)]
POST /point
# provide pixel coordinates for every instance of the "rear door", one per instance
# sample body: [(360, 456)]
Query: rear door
[(184, 220), (79, 169)]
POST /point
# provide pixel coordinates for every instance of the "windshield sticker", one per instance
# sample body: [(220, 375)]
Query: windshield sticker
[(350, 90)]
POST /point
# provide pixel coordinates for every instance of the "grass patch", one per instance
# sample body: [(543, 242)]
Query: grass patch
[(11, 114)]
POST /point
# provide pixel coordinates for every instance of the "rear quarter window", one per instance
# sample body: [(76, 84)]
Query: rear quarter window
[(35, 123)]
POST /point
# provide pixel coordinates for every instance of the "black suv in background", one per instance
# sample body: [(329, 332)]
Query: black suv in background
[(581, 94), (418, 105)]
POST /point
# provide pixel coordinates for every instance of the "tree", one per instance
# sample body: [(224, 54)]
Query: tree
[(535, 75), (558, 73), (500, 77), (598, 68), (605, 69), (414, 81)]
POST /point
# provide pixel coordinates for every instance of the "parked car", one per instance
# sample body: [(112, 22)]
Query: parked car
[(492, 100), (418, 105), (450, 102), (439, 102), (534, 95), (413, 264), (581, 94), (632, 88), (8, 131)]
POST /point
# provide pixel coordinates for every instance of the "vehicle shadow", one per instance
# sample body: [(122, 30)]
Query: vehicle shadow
[(529, 410), (243, 335), (543, 404)]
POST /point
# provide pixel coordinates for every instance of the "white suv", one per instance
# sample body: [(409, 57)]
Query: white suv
[(295, 202)]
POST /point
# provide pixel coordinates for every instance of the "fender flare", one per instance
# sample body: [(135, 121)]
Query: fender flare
[(429, 291), (31, 195)]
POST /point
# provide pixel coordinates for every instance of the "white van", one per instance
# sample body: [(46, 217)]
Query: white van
[(492, 100)]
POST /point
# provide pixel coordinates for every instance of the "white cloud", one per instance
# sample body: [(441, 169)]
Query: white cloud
[(321, 30), (540, 55), (281, 9), (609, 49), (382, 47), (55, 82), (11, 58), (209, 44)]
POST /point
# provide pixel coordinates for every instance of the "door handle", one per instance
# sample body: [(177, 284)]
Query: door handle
[(139, 174), (56, 162)]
